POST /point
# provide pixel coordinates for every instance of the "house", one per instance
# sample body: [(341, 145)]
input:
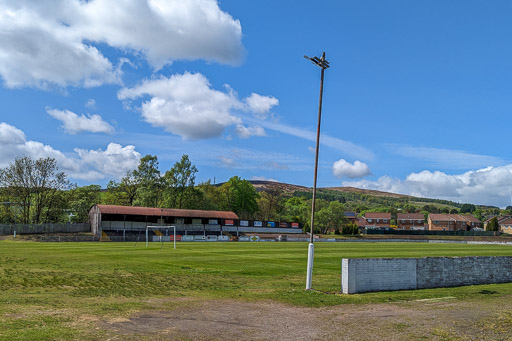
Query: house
[(351, 217), (361, 222), (410, 221), (377, 220), (505, 224), (452, 222), (500, 220)]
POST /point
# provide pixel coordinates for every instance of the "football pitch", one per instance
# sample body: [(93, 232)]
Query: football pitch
[(65, 290)]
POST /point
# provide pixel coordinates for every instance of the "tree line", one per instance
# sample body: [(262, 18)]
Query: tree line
[(36, 192)]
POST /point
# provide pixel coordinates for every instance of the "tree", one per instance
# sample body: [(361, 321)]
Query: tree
[(240, 197), (493, 225), (179, 182), (81, 200), (149, 183), (208, 197), (467, 208), (124, 192), (36, 187), (331, 217), (297, 209), (270, 205)]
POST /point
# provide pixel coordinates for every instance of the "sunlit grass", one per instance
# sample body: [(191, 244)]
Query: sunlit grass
[(46, 287)]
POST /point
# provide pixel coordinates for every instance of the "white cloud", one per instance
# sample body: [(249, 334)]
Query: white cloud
[(228, 162), (253, 159), (246, 132), (115, 160), (346, 147), (488, 186), (50, 43), (166, 29), (262, 178), (185, 105), (37, 49), (85, 165), (344, 169), (261, 105), (447, 158), (188, 106), (72, 123)]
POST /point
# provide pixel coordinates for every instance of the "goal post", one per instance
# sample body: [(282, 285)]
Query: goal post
[(160, 227)]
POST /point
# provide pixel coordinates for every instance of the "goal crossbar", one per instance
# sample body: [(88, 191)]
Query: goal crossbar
[(160, 227)]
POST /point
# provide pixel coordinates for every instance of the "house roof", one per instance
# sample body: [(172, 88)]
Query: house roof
[(166, 212), (453, 217), (504, 218), (377, 215), (490, 218), (361, 222), (506, 221), (415, 216)]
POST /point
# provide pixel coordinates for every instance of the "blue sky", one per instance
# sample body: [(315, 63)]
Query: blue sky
[(417, 99)]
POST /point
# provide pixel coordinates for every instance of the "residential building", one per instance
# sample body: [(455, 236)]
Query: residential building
[(506, 224), (410, 221), (452, 222), (351, 217), (377, 220)]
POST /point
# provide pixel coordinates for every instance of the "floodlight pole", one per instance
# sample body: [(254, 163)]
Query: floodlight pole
[(323, 64)]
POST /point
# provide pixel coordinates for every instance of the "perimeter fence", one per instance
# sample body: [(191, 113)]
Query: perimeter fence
[(44, 228), (432, 233)]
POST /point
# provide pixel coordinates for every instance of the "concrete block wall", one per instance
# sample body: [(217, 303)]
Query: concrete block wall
[(387, 274)]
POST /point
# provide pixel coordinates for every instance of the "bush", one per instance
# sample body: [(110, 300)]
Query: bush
[(350, 229)]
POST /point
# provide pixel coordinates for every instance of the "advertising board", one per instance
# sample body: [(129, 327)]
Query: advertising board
[(295, 225), (271, 224), (244, 222), (229, 222), (213, 222), (258, 223)]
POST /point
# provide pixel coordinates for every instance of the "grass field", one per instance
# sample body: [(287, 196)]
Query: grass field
[(49, 290)]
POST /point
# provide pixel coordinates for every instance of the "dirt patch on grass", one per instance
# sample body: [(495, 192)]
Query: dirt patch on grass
[(438, 319)]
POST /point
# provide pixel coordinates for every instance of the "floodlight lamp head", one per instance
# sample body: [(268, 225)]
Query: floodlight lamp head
[(324, 64)]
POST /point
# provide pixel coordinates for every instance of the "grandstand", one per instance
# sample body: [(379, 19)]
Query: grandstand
[(127, 222)]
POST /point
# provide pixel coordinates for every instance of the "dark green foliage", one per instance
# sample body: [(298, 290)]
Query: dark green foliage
[(34, 190), (179, 184), (493, 225), (241, 197), (467, 208), (80, 201), (149, 182), (350, 229)]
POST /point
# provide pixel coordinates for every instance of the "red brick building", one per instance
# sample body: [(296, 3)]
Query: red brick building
[(376, 219), (410, 221), (452, 222)]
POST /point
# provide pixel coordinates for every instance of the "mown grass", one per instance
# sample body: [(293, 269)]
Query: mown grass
[(46, 289)]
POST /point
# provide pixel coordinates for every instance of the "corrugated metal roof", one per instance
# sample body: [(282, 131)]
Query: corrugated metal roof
[(166, 212)]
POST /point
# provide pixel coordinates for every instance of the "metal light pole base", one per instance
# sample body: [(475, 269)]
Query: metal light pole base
[(309, 277)]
